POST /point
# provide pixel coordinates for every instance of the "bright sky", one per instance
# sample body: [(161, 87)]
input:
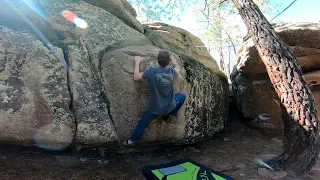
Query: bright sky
[(300, 11)]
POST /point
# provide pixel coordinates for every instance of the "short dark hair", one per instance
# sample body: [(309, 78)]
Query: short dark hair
[(163, 58)]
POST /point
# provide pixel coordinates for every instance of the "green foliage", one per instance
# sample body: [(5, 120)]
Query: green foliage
[(221, 20), (155, 10)]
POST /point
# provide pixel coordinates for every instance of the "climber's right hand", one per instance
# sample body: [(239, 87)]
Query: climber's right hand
[(137, 59)]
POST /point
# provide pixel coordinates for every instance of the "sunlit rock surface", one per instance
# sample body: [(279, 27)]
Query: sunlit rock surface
[(61, 84)]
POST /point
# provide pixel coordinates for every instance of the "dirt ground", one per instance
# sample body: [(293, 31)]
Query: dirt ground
[(233, 153)]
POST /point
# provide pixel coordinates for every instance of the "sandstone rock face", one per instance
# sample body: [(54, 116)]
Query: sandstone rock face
[(300, 34), (181, 42), (316, 95), (253, 90), (35, 99), (99, 36), (313, 78), (90, 102), (192, 51), (255, 97), (120, 8), (302, 38), (61, 84), (198, 119)]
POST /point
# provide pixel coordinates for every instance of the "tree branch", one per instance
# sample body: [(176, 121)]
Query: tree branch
[(222, 2), (283, 10), (166, 5), (208, 19), (205, 5), (230, 39)]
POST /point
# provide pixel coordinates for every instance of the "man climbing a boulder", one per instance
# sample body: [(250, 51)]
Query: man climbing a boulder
[(163, 101)]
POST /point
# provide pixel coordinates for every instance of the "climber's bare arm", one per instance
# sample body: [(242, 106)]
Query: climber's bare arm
[(137, 74), (175, 64), (177, 68)]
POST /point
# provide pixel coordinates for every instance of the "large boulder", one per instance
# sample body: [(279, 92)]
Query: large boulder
[(300, 34), (253, 90), (181, 42), (303, 39), (35, 99), (99, 36), (89, 102), (82, 89), (85, 48), (206, 92), (120, 8), (192, 53)]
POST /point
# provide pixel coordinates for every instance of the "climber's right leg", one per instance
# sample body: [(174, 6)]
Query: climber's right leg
[(180, 98)]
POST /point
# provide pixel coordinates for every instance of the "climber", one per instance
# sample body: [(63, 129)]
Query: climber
[(163, 101)]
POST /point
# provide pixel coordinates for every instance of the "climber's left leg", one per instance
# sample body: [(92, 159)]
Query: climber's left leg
[(143, 123)]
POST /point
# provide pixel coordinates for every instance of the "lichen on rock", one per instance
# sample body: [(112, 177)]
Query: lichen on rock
[(34, 90), (61, 84)]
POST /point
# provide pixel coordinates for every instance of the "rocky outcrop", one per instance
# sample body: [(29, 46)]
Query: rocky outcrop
[(35, 100), (129, 99), (181, 42), (61, 84), (85, 49), (120, 8), (197, 62), (300, 34), (253, 90)]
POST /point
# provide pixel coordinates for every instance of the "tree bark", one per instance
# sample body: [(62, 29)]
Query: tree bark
[(297, 102)]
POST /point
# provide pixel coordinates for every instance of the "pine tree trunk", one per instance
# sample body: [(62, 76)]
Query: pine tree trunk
[(297, 102)]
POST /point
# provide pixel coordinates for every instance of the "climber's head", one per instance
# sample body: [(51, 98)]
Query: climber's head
[(163, 58)]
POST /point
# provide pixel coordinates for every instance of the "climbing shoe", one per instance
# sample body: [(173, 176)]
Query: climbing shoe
[(127, 143)]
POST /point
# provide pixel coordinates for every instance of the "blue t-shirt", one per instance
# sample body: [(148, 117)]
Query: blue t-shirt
[(161, 90)]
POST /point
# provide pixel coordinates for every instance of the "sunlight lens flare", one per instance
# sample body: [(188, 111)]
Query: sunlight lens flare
[(72, 17), (262, 163), (80, 23), (36, 8), (53, 137)]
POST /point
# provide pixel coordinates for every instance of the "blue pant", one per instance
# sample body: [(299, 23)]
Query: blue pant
[(148, 117)]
